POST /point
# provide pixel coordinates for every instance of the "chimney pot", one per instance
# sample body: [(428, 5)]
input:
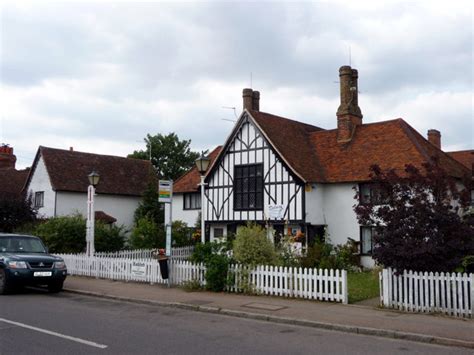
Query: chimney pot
[(247, 95), (434, 137), (71, 149), (256, 100), (7, 158), (348, 114)]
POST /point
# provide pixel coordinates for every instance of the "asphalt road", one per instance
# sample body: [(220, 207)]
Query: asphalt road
[(34, 322)]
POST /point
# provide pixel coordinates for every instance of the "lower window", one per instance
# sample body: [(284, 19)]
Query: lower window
[(366, 240), (218, 232), (39, 199), (192, 201)]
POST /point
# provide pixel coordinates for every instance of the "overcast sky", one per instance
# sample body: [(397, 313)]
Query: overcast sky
[(100, 76)]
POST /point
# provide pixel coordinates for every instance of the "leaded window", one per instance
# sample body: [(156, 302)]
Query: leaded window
[(248, 187)]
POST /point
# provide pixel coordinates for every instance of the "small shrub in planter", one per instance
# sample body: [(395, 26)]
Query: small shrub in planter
[(252, 247)]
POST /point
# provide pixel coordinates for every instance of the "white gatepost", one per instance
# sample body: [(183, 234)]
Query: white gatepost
[(345, 293), (385, 288)]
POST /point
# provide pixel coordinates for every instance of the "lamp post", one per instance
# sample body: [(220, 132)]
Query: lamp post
[(202, 164), (93, 181)]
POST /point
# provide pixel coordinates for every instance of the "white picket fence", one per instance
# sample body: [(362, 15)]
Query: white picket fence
[(180, 253), (451, 294), (318, 284), (125, 269)]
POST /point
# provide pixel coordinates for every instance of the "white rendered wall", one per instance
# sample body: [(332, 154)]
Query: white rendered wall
[(120, 207), (40, 182), (332, 205), (180, 214)]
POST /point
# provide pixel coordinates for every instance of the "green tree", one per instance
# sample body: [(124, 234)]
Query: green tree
[(171, 156), (149, 206), (15, 211), (147, 234)]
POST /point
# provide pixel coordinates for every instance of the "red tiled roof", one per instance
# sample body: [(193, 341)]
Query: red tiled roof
[(104, 217), (189, 182), (465, 157), (292, 139), (12, 181), (389, 144), (315, 155), (68, 171)]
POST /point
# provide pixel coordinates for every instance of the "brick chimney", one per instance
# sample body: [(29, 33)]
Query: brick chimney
[(251, 99), (7, 158), (348, 114), (434, 137)]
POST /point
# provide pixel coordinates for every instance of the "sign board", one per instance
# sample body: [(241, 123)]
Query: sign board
[(165, 191), (276, 211), (139, 270)]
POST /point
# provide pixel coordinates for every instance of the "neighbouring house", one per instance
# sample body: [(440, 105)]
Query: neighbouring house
[(12, 180), (295, 176), (58, 183)]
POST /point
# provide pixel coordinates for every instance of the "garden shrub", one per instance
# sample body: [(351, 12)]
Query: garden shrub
[(108, 238), (181, 234), (252, 247), (66, 234), (217, 267), (324, 255), (147, 234)]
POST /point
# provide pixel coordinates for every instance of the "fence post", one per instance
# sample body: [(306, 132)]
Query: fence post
[(385, 288), (345, 293), (472, 295)]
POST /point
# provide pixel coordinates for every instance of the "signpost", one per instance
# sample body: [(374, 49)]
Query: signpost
[(165, 192)]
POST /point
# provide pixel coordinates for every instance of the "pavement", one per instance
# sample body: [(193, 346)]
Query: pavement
[(360, 319)]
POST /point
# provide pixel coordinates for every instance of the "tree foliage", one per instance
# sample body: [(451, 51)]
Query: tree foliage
[(147, 234), (171, 156), (15, 211), (149, 206), (419, 225)]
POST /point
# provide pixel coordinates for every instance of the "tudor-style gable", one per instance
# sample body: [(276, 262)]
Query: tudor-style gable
[(249, 176)]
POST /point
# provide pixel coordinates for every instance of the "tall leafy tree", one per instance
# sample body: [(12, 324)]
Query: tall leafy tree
[(418, 219), (15, 211), (171, 156)]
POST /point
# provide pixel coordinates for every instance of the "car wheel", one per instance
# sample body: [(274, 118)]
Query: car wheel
[(55, 287), (4, 287)]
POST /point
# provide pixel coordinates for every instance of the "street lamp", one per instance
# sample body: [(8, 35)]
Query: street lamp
[(202, 164), (93, 181)]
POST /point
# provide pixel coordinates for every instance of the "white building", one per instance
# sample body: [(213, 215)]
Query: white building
[(58, 183), (297, 176)]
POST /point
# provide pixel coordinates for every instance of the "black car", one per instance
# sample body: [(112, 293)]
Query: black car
[(24, 260)]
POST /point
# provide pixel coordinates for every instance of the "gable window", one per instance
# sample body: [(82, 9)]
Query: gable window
[(192, 201), (366, 240), (248, 187), (39, 199), (369, 193)]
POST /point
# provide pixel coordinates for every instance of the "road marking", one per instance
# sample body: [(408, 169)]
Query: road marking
[(59, 335)]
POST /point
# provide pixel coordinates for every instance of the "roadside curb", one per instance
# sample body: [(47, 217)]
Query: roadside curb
[(393, 334)]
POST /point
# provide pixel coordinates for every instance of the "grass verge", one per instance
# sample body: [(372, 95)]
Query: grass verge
[(362, 285)]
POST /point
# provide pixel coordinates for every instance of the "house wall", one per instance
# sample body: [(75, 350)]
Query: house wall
[(40, 182), (180, 214), (249, 146), (332, 205), (120, 207)]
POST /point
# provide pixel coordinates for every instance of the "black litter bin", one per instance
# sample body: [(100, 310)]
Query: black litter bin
[(163, 261)]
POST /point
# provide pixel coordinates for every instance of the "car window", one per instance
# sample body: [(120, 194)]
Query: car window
[(21, 245)]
